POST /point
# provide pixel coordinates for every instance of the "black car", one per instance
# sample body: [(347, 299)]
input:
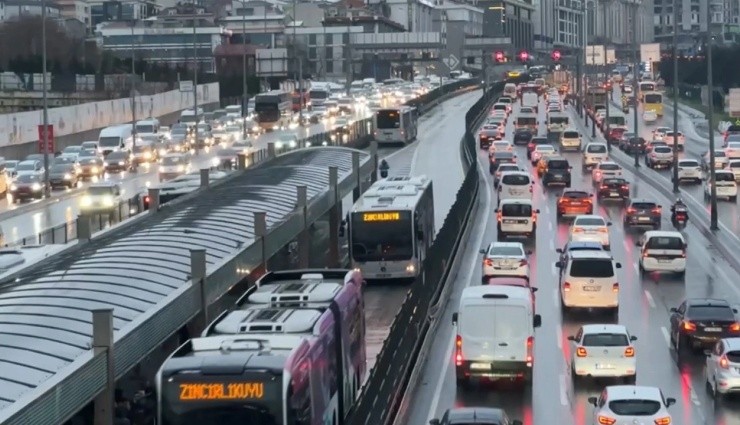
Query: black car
[(63, 175), (641, 212), (487, 136), (475, 415), (522, 136), (614, 188), (557, 171), (622, 142), (91, 167), (635, 144), (27, 186), (700, 322), (501, 158), (118, 161)]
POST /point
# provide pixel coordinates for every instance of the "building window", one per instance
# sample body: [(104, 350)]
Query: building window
[(329, 52), (329, 67), (312, 40), (245, 11), (345, 39), (312, 53)]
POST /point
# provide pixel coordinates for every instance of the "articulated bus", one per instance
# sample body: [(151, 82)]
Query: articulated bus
[(291, 351), (273, 109), (391, 227), (396, 125), (653, 101), (645, 86)]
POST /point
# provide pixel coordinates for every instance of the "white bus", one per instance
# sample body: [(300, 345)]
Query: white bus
[(391, 227), (274, 109), (292, 351), (396, 125)]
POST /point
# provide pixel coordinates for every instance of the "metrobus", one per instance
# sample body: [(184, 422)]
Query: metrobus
[(391, 227), (291, 351), (273, 109), (644, 87), (653, 101), (396, 125), (526, 120), (317, 96)]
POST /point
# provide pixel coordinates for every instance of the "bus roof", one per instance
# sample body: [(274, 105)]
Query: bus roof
[(259, 319), (396, 192)]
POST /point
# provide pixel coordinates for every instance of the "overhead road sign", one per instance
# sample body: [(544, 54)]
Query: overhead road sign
[(452, 62)]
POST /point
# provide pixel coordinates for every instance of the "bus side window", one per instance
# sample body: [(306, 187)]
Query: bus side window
[(300, 397)]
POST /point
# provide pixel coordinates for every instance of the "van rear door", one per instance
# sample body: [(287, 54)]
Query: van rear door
[(478, 338), (510, 331)]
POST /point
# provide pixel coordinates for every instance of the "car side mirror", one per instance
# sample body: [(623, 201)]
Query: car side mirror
[(609, 223), (591, 195), (529, 252), (633, 338), (434, 422), (618, 265), (659, 206), (534, 289), (482, 251), (495, 210), (537, 321), (734, 310), (454, 319), (559, 250), (638, 243), (670, 401), (673, 310), (593, 400), (571, 338), (559, 264)]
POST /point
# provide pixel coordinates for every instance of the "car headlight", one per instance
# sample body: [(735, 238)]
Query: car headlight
[(147, 155), (216, 162), (94, 169), (68, 176), (36, 187), (293, 144), (121, 162), (410, 268), (279, 145), (180, 168), (86, 201), (13, 187), (108, 201), (105, 164)]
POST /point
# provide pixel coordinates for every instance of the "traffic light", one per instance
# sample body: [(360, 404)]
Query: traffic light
[(499, 57), (523, 56), (555, 55)]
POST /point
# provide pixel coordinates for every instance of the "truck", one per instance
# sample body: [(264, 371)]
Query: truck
[(596, 98)]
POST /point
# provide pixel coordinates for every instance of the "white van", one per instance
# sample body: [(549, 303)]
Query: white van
[(516, 217), (530, 100), (147, 126), (495, 334), (510, 90), (594, 153), (116, 138), (570, 139), (588, 279), (515, 185), (726, 186), (662, 251)]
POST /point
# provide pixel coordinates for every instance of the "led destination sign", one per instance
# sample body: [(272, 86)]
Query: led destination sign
[(381, 216), (222, 391)]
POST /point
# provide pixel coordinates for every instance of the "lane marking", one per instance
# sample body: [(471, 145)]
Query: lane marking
[(556, 298), (549, 226), (636, 267), (650, 299), (552, 245), (559, 336), (666, 336), (563, 390), (434, 405)]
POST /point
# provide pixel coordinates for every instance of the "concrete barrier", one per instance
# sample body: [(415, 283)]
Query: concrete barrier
[(79, 123)]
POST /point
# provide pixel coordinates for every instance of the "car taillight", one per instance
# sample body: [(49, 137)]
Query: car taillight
[(146, 199), (724, 363), (603, 230), (523, 263), (498, 216), (577, 230), (458, 351), (598, 173), (663, 421), (688, 326), (615, 287), (605, 420), (624, 186), (629, 352), (581, 352), (488, 262), (530, 350), (603, 187), (531, 188), (735, 327), (656, 210), (631, 210), (683, 254), (566, 286)]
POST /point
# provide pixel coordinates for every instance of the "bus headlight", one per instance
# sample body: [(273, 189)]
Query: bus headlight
[(147, 155), (411, 268), (293, 144)]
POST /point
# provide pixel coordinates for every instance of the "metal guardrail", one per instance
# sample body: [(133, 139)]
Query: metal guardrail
[(70, 388)]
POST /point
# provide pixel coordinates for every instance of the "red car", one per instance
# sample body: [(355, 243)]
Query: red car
[(615, 134), (575, 202)]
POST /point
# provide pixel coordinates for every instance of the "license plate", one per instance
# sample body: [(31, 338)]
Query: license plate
[(480, 366), (383, 275), (614, 194), (510, 221), (604, 366), (644, 219), (558, 177), (591, 288), (713, 329), (664, 261)]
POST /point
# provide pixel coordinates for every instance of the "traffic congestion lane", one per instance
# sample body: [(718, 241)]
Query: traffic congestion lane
[(383, 300), (728, 211), (644, 310), (59, 210)]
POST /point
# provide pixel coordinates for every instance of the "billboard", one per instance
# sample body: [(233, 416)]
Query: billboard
[(611, 57), (650, 53), (595, 55)]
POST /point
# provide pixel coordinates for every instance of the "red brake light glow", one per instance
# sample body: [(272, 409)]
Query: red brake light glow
[(581, 352), (688, 326), (615, 287), (629, 352), (735, 327), (631, 210), (566, 286), (723, 362), (530, 350), (458, 351), (488, 262)]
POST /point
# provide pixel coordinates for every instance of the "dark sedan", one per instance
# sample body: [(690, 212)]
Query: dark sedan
[(701, 322), (474, 415), (118, 161), (522, 136), (27, 186), (643, 213), (91, 167), (63, 175), (614, 188), (635, 144), (487, 136)]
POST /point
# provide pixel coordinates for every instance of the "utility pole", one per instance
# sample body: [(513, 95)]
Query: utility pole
[(608, 102), (299, 58), (350, 71), (45, 133), (133, 86), (195, 76), (245, 95), (635, 51), (710, 117), (675, 96)]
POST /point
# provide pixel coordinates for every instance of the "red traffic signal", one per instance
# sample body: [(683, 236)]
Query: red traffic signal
[(555, 55), (523, 56), (499, 57)]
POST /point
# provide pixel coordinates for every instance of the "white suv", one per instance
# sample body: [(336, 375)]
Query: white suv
[(603, 351), (662, 251), (588, 279), (570, 139), (726, 186), (689, 169), (516, 217), (594, 153)]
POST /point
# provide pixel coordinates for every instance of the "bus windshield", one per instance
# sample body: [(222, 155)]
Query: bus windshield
[(388, 119), (653, 98), (617, 120), (254, 399), (647, 86), (558, 120), (378, 240)]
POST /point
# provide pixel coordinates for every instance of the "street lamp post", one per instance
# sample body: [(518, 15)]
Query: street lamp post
[(675, 96), (710, 117), (133, 89), (635, 66), (45, 133), (245, 96), (195, 76)]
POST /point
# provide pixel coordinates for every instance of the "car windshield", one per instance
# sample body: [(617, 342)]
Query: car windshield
[(662, 149), (509, 167), (544, 148), (28, 178), (87, 154), (100, 190), (686, 163), (62, 168), (664, 242), (516, 210), (610, 167), (644, 205), (26, 166), (90, 161), (575, 195), (596, 149), (592, 268), (171, 160), (506, 251), (71, 149), (515, 179), (570, 134), (605, 340), (117, 155), (589, 221), (613, 182), (707, 312), (634, 407)]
